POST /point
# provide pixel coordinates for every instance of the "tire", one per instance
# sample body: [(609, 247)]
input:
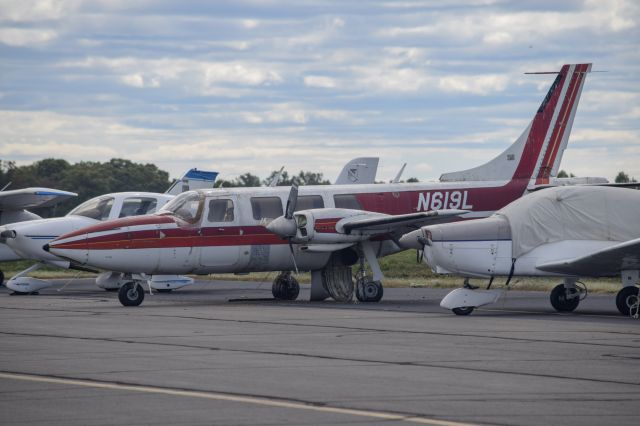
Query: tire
[(559, 301), (285, 288), (463, 311), (131, 294), (625, 298), (370, 291), (1, 278)]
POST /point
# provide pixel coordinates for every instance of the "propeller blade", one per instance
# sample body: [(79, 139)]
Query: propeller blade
[(293, 257), (292, 201)]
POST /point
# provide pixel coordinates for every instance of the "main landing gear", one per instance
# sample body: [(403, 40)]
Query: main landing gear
[(131, 294), (285, 286), (368, 289), (628, 301), (566, 297)]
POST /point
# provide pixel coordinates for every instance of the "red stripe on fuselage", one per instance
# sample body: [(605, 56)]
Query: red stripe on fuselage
[(174, 238), (122, 222)]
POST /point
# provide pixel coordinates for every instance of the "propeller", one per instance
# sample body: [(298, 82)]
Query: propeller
[(285, 226)]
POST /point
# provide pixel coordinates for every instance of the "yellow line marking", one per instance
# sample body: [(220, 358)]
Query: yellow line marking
[(232, 398)]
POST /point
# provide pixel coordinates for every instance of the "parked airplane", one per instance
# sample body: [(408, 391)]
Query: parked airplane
[(25, 239), (14, 205), (570, 232), (225, 230)]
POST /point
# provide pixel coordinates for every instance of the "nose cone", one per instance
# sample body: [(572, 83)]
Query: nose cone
[(413, 240), (283, 227)]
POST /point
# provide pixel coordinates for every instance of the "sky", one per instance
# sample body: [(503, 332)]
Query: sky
[(250, 86)]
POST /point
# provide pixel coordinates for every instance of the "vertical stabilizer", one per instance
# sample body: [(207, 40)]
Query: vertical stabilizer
[(359, 171), (192, 179), (536, 154)]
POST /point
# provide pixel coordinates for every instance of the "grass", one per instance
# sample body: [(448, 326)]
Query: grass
[(400, 270)]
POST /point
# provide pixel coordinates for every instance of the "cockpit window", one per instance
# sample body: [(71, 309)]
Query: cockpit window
[(186, 206), (137, 206), (96, 208), (220, 211)]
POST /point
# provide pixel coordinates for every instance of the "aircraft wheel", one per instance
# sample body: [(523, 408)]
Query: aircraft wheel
[(627, 298), (369, 291), (559, 301), (131, 294), (1, 278), (164, 290), (285, 287), (463, 311)]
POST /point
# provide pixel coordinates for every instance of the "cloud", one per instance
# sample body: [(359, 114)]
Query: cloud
[(21, 37), (36, 10), (319, 81)]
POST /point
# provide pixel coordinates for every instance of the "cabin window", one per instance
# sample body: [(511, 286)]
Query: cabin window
[(266, 207), (307, 202), (96, 208), (346, 201), (137, 206), (220, 211)]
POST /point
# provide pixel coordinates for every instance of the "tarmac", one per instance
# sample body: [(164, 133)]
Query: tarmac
[(223, 353)]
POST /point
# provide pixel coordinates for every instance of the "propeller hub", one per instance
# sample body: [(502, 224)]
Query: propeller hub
[(283, 227)]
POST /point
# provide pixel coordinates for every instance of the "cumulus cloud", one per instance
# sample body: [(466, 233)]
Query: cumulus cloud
[(319, 81), (21, 37)]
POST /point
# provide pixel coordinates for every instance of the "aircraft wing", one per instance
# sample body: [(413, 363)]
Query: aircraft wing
[(26, 198), (606, 262), (403, 223)]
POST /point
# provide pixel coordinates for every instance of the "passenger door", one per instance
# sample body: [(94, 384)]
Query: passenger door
[(220, 239)]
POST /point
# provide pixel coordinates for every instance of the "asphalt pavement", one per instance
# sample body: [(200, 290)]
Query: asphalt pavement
[(223, 353)]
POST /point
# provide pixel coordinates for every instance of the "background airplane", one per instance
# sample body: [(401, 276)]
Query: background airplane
[(224, 231), (14, 205), (569, 232)]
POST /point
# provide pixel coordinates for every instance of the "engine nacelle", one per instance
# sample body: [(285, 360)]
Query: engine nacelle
[(326, 226)]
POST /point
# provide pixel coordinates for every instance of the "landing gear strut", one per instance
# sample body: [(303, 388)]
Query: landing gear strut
[(131, 294), (566, 297), (285, 287)]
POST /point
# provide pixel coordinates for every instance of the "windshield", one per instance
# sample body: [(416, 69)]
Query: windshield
[(186, 206), (96, 208)]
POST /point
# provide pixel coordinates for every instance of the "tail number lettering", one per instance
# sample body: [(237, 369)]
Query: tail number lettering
[(437, 200)]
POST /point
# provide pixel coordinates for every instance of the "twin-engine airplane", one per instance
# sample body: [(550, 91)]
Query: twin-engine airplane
[(568, 232), (25, 240), (233, 230)]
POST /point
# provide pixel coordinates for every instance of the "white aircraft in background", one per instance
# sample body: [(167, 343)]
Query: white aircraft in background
[(226, 230), (569, 232), (14, 205), (25, 239)]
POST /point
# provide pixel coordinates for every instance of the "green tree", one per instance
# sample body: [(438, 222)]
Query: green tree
[(563, 174), (622, 177)]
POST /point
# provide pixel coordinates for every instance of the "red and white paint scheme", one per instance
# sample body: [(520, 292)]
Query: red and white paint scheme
[(225, 230)]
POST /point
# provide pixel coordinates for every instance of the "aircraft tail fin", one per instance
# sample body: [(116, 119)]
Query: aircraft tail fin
[(358, 171), (536, 154), (192, 179)]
